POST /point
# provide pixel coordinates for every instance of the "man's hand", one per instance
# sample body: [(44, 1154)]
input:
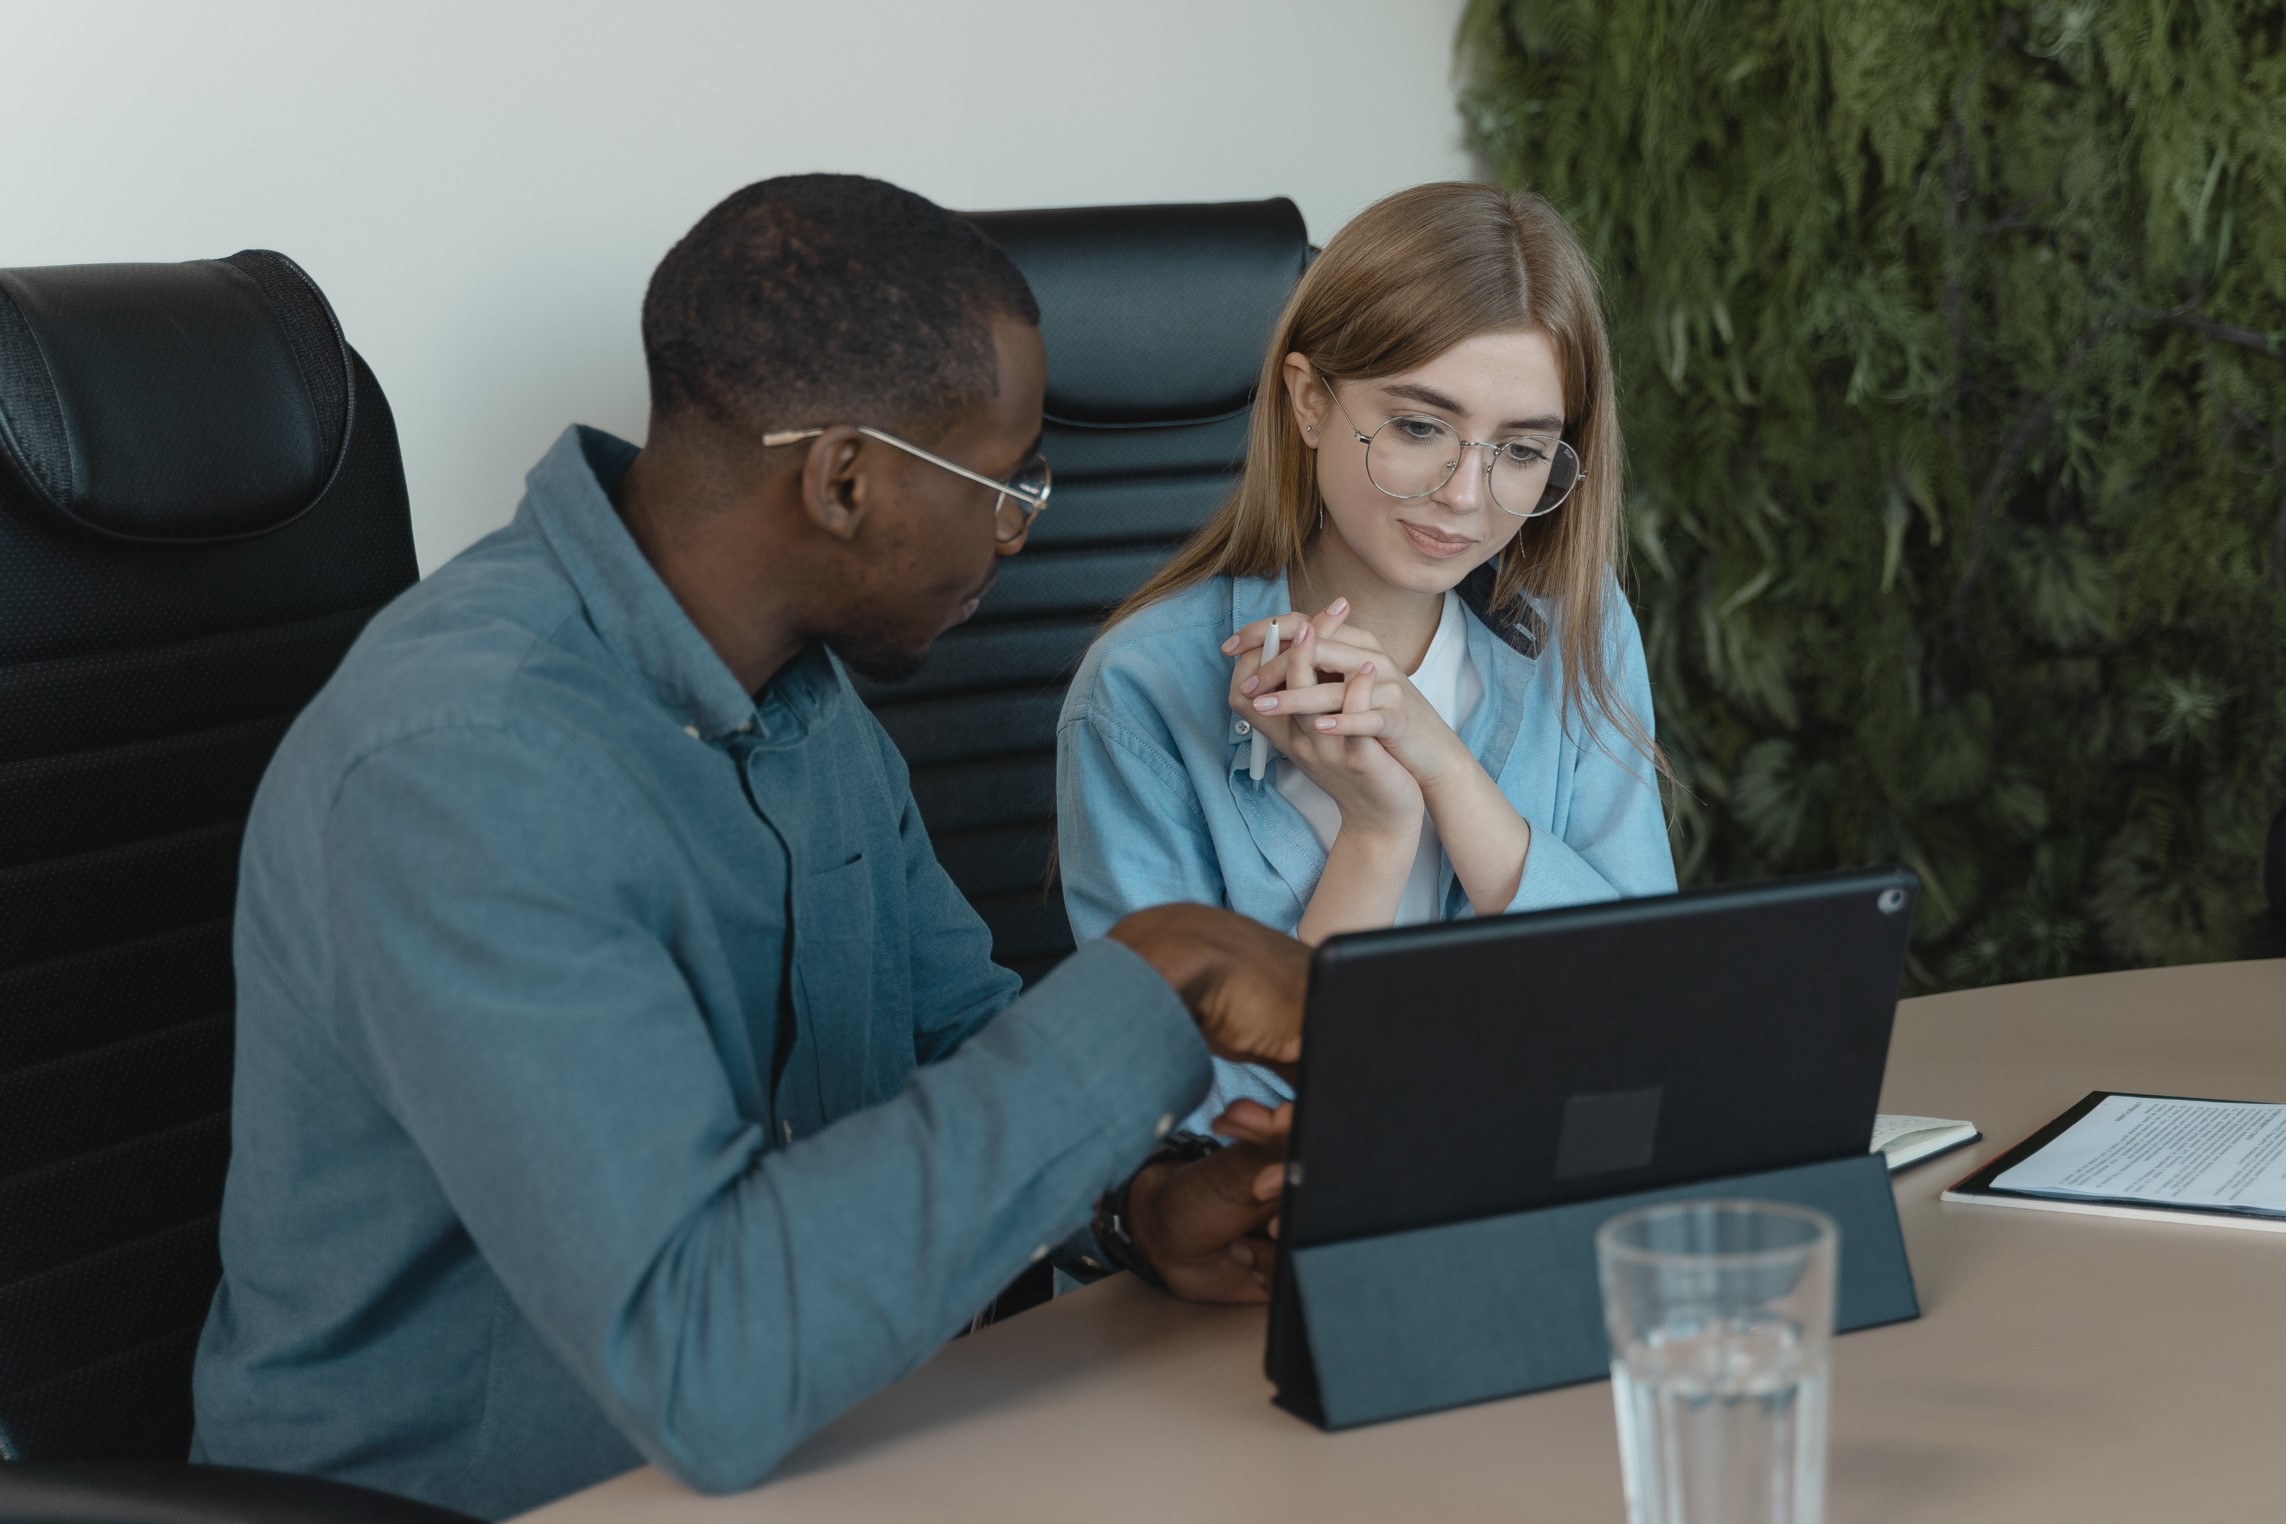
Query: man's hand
[(1242, 981), (1205, 1226)]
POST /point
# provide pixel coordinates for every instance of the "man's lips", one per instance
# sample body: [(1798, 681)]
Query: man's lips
[(1431, 543)]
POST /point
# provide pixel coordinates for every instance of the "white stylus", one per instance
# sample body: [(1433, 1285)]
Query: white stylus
[(1259, 757)]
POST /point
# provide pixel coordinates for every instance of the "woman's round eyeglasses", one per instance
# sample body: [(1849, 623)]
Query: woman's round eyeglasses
[(1023, 492), (1412, 455)]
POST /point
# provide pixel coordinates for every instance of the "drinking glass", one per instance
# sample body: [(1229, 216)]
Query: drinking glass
[(1721, 1316)]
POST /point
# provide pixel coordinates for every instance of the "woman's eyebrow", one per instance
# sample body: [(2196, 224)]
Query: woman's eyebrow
[(1413, 391)]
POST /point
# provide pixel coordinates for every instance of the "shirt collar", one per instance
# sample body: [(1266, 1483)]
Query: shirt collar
[(567, 495)]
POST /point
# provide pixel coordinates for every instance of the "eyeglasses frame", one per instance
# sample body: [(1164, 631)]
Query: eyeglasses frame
[(1034, 504), (1466, 445)]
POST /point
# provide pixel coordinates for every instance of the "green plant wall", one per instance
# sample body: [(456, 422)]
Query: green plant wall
[(1949, 335)]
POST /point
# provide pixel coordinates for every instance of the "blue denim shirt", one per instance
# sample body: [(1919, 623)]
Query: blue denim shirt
[(1153, 801), (618, 1076)]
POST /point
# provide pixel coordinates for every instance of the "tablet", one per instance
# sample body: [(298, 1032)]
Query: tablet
[(1475, 1068)]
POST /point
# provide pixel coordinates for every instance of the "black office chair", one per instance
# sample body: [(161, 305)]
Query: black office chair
[(201, 504), (1155, 319)]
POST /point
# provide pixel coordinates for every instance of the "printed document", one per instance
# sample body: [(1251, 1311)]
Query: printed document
[(2195, 1154)]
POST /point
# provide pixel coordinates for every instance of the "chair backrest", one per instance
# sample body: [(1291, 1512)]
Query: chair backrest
[(1155, 319), (200, 505)]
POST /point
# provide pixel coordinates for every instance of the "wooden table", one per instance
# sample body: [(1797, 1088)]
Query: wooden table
[(2067, 1368)]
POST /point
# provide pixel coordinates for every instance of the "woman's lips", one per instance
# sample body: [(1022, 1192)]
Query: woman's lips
[(1430, 543)]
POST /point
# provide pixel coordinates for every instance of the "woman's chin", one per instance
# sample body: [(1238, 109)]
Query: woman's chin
[(1416, 573)]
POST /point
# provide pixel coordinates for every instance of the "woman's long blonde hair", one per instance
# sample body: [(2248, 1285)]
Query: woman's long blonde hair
[(1409, 277)]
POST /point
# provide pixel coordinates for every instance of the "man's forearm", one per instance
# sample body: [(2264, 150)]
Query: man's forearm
[(821, 1271)]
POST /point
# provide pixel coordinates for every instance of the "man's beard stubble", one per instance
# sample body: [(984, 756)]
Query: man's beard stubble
[(875, 659)]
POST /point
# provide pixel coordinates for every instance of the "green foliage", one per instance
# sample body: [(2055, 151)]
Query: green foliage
[(1950, 340)]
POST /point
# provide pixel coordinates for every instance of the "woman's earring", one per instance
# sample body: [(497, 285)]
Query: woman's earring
[(1321, 518)]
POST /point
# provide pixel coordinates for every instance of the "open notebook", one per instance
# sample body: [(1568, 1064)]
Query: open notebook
[(2158, 1157), (1907, 1141)]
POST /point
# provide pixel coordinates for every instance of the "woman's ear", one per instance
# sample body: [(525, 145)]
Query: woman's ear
[(1306, 395)]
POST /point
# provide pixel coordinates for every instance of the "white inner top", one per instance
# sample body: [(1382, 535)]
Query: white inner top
[(1449, 681)]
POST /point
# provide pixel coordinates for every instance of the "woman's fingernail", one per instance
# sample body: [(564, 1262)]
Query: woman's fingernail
[(1366, 668), (1266, 703), (1230, 645), (1325, 722), (1243, 1255), (1337, 605), (1268, 1182), (1250, 685)]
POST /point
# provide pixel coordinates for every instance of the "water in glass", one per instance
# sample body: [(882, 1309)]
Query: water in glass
[(1722, 1424)]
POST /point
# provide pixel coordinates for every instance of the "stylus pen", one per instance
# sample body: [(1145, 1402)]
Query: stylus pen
[(1259, 757)]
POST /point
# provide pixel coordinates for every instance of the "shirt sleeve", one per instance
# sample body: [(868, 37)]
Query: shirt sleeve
[(720, 1297), (1614, 841), (1129, 831)]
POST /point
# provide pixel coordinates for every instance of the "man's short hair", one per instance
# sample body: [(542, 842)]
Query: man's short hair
[(821, 299)]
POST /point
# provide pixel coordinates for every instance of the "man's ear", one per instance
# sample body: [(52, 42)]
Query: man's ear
[(1306, 395), (834, 485)]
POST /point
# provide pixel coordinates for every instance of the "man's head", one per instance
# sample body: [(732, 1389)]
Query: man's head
[(830, 302)]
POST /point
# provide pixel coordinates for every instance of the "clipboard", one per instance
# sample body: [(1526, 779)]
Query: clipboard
[(1978, 1189)]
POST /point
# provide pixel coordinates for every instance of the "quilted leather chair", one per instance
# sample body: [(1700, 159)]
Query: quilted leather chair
[(201, 503), (1155, 319)]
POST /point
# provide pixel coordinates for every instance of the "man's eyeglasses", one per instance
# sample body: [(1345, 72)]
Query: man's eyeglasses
[(1021, 495)]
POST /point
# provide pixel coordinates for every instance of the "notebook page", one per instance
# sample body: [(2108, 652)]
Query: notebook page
[(2181, 1153)]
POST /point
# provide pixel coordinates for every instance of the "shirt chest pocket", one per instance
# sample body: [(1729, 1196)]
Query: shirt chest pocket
[(837, 938)]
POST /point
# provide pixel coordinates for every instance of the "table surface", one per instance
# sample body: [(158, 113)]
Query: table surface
[(2064, 1367)]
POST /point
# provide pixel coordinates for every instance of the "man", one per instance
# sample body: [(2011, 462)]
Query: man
[(619, 1077)]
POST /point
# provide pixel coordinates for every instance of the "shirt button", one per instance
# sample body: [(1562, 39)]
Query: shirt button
[(1039, 1254), (786, 1128), (691, 731), (744, 726), (1243, 728), (1163, 1126)]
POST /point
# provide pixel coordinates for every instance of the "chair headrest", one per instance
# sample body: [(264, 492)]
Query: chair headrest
[(1154, 315), (209, 400)]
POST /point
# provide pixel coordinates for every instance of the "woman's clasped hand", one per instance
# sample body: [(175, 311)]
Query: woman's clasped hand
[(1334, 703)]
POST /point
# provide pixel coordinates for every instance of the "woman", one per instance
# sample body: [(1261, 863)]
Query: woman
[(1461, 723)]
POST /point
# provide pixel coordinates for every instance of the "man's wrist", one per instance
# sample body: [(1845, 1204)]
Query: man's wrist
[(1126, 1218), (1142, 1202)]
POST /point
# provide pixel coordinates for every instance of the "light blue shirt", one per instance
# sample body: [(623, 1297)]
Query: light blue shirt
[(619, 1078), (1153, 801)]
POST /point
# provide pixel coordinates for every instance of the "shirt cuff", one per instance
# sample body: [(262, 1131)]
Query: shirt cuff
[(1556, 875)]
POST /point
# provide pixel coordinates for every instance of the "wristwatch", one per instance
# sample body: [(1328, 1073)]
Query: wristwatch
[(1113, 1231)]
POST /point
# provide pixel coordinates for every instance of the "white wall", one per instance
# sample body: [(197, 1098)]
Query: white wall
[(482, 187)]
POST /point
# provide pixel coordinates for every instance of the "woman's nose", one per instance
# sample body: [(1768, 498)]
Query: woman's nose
[(1464, 491)]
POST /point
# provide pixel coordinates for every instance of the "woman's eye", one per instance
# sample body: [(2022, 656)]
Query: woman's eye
[(1418, 428), (1524, 452)]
